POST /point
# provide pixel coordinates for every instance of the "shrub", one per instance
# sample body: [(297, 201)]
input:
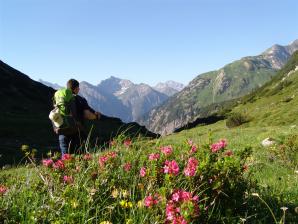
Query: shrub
[(131, 183), (236, 119)]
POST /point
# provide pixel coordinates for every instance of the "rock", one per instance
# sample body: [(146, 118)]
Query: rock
[(268, 142)]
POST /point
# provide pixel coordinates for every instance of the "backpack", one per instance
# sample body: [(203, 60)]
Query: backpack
[(62, 116)]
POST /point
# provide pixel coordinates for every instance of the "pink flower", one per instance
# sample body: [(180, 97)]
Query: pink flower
[(143, 172), (3, 189), (112, 154), (59, 165), (68, 179), (102, 160), (179, 220), (127, 142), (171, 167), (154, 156), (149, 201), (127, 166), (229, 153), (66, 157), (193, 149), (167, 150), (189, 142), (47, 162), (87, 156), (180, 202), (191, 167), (219, 145)]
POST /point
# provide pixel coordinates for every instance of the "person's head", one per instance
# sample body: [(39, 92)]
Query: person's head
[(73, 85)]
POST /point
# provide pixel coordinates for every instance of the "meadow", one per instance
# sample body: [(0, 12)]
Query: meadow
[(209, 174)]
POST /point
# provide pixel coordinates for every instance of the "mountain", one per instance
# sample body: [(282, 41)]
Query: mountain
[(49, 84), (24, 109), (169, 87), (141, 98), (122, 98), (104, 102), (232, 81)]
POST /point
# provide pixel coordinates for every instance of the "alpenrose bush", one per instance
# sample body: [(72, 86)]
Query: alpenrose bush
[(132, 182)]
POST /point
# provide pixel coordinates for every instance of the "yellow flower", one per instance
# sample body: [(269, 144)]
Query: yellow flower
[(105, 222), (124, 193), (74, 204), (129, 221), (115, 193), (129, 204), (122, 203), (140, 204)]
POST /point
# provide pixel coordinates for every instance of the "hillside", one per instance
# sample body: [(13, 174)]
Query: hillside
[(24, 112), (232, 81)]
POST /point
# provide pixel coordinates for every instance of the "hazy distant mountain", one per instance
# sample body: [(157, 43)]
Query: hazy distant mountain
[(232, 81), (139, 98), (49, 84), (169, 88), (104, 102)]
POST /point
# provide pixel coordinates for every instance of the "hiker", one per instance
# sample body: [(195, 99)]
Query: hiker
[(74, 109)]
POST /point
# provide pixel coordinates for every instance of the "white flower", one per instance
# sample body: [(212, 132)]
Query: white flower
[(284, 208)]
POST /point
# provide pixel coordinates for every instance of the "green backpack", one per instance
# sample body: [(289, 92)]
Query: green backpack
[(61, 116)]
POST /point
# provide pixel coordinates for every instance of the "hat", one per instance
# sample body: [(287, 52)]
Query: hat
[(56, 118)]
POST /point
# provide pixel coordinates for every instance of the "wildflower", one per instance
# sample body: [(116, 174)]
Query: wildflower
[(189, 142), (124, 193), (128, 221), (67, 157), (171, 167), (125, 204), (102, 160), (127, 143), (127, 166), (140, 204), (191, 167), (87, 156), (167, 150), (229, 153), (105, 222), (68, 179), (47, 162), (78, 169), (59, 165), (115, 193), (112, 154), (219, 145), (149, 201), (182, 206), (193, 149), (74, 203), (93, 191), (143, 172), (3, 189), (154, 156)]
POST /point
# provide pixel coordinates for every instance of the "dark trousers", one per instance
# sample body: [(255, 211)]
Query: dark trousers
[(71, 144)]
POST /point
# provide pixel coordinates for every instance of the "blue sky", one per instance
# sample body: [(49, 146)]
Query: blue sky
[(141, 40)]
